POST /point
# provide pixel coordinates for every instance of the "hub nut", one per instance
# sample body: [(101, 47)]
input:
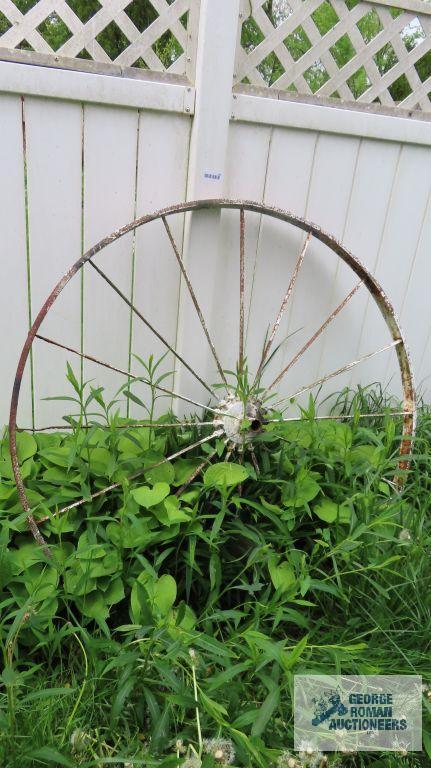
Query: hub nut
[(236, 411)]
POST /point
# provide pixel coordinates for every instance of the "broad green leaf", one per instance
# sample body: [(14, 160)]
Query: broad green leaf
[(128, 536), (77, 581), (134, 442), (58, 476), (165, 593), (184, 468), (282, 574), (140, 601), (225, 474), (99, 458), (329, 511), (305, 489), (6, 491), (299, 433), (26, 555), (26, 446), (105, 566), (41, 582), (366, 455), (57, 455), (186, 620), (6, 471), (165, 473), (170, 513), (88, 550), (148, 497), (94, 605)]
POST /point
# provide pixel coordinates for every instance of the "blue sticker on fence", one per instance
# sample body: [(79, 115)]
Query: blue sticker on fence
[(349, 713), (212, 175)]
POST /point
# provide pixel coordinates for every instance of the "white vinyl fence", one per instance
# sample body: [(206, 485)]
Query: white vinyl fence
[(88, 145)]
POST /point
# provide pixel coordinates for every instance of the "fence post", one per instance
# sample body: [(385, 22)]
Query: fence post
[(218, 28), (215, 63)]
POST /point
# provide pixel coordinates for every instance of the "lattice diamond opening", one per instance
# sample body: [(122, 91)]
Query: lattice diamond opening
[(423, 67), (25, 5), (4, 24), (167, 49), (141, 15), (54, 31), (316, 76), (370, 25), (251, 35), (325, 17), (277, 11), (400, 89), (84, 55), (342, 51), (24, 45), (113, 40), (297, 43), (385, 59), (413, 34), (271, 69), (359, 82), (140, 64), (84, 11)]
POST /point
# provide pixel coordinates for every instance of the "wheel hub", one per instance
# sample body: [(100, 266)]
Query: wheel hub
[(235, 413)]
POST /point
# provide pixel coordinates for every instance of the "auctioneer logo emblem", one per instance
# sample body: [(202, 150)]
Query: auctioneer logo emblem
[(348, 712)]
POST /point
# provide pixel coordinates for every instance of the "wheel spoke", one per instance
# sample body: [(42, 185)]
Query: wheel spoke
[(132, 425), (151, 327), (254, 460), (141, 472), (316, 335), (338, 371), (131, 375), (341, 416), (194, 299), (241, 287), (283, 306)]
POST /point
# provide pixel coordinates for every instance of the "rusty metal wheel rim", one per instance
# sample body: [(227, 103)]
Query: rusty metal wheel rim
[(312, 230)]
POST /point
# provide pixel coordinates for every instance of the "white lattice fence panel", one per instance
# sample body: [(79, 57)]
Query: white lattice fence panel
[(349, 49), (160, 35)]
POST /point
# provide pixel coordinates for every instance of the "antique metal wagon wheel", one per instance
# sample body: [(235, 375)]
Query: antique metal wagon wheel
[(235, 418)]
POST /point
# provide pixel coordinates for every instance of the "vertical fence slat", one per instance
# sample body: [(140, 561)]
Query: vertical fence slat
[(161, 181), (53, 132), (110, 144), (315, 296), (287, 184), (415, 310), (404, 219), (362, 233), (13, 258)]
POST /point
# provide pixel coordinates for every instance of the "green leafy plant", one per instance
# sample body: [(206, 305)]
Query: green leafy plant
[(314, 563)]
